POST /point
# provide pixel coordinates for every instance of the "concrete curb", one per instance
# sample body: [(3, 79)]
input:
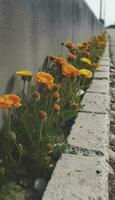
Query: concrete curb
[(84, 176)]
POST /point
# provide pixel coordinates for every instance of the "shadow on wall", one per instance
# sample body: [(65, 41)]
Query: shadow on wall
[(33, 29), (10, 85)]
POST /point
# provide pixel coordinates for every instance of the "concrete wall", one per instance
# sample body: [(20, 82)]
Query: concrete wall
[(32, 29)]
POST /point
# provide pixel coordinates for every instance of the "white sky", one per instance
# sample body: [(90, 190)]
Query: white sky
[(108, 9)]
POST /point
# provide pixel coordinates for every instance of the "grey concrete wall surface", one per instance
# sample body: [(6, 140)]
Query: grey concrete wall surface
[(32, 29)]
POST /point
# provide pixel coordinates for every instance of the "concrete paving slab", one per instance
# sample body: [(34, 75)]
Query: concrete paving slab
[(106, 51), (99, 86), (104, 62), (103, 69), (96, 103), (101, 75), (78, 178), (105, 58), (90, 131)]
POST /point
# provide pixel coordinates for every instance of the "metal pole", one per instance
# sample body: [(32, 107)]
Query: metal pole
[(104, 12), (100, 9)]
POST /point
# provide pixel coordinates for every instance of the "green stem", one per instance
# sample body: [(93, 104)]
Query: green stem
[(41, 130), (70, 87), (28, 89), (24, 82), (9, 126), (9, 120), (51, 114), (34, 107), (13, 163), (18, 150)]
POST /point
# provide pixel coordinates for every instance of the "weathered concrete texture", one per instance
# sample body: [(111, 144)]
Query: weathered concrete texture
[(99, 86), (103, 68), (30, 30), (90, 131), (105, 58), (106, 51), (96, 103), (79, 178), (101, 75), (104, 62)]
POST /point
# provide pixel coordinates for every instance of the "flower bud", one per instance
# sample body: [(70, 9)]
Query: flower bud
[(42, 115), (56, 107), (12, 135)]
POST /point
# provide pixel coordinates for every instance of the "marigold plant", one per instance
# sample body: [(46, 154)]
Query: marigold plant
[(85, 72), (45, 79), (86, 60)]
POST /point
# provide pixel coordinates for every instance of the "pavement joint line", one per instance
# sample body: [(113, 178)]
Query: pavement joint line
[(97, 92), (101, 113), (75, 150), (101, 78)]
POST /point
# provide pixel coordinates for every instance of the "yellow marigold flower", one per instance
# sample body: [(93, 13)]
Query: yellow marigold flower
[(70, 71), (56, 107), (25, 74), (86, 60), (42, 115), (45, 79), (56, 95), (85, 72)]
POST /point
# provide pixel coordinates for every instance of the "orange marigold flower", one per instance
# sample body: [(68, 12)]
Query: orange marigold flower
[(45, 79), (72, 56), (4, 104), (9, 101), (70, 71), (71, 45), (56, 95), (86, 53), (42, 115), (56, 107), (13, 99), (58, 60)]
